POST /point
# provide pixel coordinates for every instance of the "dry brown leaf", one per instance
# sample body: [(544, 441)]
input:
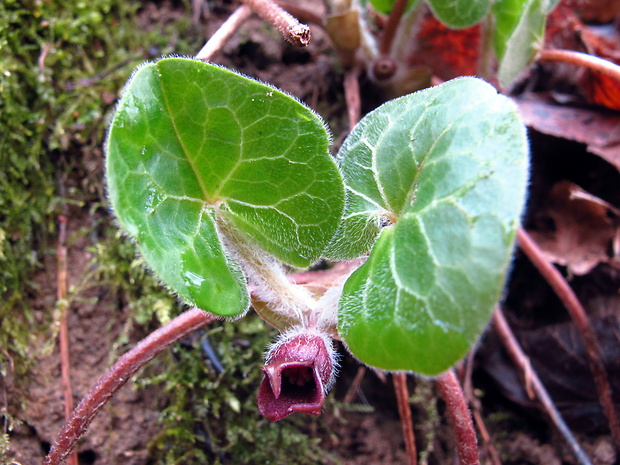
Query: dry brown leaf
[(598, 129), (584, 230)]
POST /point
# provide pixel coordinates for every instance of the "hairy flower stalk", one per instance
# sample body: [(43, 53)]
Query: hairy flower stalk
[(299, 371)]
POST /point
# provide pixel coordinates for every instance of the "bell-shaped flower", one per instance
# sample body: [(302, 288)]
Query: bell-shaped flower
[(299, 371)]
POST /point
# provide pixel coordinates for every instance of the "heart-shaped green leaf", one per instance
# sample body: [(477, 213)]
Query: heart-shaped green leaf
[(519, 32), (447, 167), (459, 13), (193, 142)]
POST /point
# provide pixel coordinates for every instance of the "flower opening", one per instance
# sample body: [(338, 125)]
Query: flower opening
[(298, 374)]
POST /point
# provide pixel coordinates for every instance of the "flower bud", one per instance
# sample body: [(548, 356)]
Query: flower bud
[(299, 371)]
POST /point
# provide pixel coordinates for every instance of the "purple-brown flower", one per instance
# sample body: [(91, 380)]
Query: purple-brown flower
[(298, 374)]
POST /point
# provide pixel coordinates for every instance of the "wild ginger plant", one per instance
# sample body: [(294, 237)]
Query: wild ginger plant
[(225, 183)]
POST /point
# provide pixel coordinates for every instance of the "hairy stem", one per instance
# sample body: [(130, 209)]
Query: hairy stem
[(224, 33), (533, 384), (582, 323), (118, 375), (460, 416), (266, 275), (291, 29), (581, 59), (404, 411)]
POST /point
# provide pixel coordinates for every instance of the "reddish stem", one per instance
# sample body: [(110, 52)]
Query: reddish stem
[(582, 323), (460, 416), (118, 375), (385, 46), (291, 29), (404, 411), (531, 380), (581, 59)]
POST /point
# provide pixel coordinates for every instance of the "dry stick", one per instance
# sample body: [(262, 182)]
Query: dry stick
[(224, 33), (300, 12), (404, 411), (529, 376), (352, 96), (63, 333), (582, 323), (581, 59), (355, 385), (118, 375), (291, 29), (460, 416)]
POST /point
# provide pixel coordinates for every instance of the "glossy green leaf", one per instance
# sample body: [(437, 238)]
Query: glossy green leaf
[(459, 13), (193, 142), (448, 166), (519, 33)]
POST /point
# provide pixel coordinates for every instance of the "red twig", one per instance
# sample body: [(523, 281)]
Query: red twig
[(385, 46), (475, 407), (118, 375), (224, 33), (404, 411), (63, 333), (582, 323), (531, 378), (291, 29), (458, 412), (581, 59)]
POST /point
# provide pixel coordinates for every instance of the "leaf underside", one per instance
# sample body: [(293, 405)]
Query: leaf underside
[(519, 32), (192, 144), (448, 167)]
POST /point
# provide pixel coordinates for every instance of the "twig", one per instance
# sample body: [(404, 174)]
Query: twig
[(582, 323), (385, 45), (581, 59), (63, 333), (355, 385), (458, 412), (352, 96), (520, 359), (291, 29), (224, 33), (118, 375), (298, 10), (404, 411)]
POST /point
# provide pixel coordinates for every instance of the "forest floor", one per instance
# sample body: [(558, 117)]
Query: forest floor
[(167, 416)]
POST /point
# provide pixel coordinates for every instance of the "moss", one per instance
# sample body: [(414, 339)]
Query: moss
[(62, 65)]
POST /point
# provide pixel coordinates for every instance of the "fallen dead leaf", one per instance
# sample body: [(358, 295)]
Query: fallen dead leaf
[(597, 128), (584, 230)]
